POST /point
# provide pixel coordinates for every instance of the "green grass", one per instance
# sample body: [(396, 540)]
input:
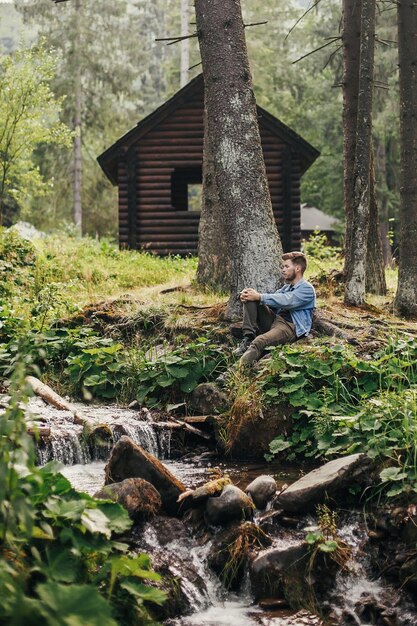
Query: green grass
[(58, 275)]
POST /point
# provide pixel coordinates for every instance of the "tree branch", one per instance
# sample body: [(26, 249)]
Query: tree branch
[(255, 24), (332, 55), (316, 50), (300, 18), (173, 40), (195, 65)]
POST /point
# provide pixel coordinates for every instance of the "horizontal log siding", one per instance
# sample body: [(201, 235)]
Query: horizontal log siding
[(178, 143), (175, 143)]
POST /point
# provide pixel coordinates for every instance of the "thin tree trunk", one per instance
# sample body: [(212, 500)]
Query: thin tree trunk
[(406, 297), (351, 64), (356, 255), (185, 43), (247, 222), (375, 267), (77, 176), (381, 168)]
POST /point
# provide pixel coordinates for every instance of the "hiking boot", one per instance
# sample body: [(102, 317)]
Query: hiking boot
[(244, 345)]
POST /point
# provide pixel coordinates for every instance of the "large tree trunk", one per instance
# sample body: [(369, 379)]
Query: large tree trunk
[(213, 261), (375, 266), (356, 255), (246, 223), (77, 173), (406, 297)]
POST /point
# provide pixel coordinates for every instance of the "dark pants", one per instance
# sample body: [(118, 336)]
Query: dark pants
[(271, 330)]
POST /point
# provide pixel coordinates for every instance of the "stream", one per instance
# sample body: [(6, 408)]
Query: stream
[(185, 557)]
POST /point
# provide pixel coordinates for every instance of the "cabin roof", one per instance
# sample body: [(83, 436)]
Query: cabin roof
[(315, 219), (109, 158)]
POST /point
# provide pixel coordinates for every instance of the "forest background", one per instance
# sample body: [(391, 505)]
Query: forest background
[(126, 74)]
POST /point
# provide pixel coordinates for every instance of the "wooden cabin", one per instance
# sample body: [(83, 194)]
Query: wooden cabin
[(157, 167)]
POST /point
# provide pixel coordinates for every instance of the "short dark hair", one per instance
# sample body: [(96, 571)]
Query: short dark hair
[(297, 258)]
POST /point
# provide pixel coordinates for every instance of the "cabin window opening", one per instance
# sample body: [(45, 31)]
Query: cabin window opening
[(195, 197), (186, 189)]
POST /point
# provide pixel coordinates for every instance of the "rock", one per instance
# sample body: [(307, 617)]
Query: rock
[(140, 499), (328, 479), (261, 490), (233, 504), (207, 399), (129, 460), (229, 550), (279, 572), (273, 604)]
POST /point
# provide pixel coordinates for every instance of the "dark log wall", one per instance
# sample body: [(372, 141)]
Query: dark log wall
[(147, 217)]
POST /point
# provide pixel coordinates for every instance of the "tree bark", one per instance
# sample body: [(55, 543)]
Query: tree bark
[(357, 253), (185, 44), (351, 64), (375, 267), (244, 219), (406, 297), (213, 269), (77, 175)]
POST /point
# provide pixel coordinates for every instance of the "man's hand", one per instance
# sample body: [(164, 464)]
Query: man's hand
[(248, 295)]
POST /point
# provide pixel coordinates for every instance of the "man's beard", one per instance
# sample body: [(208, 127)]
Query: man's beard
[(291, 277)]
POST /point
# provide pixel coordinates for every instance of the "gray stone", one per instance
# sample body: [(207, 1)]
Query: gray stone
[(233, 504), (208, 399), (276, 569), (261, 490), (137, 496), (328, 479)]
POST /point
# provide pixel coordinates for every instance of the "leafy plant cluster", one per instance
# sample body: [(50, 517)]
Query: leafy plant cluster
[(345, 404), (61, 557), (176, 373)]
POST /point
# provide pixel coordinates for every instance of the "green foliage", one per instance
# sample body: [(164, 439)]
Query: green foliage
[(176, 373), (325, 537), (317, 248), (99, 369), (345, 404), (59, 561), (29, 117)]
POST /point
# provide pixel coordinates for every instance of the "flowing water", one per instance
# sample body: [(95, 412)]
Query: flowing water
[(208, 603)]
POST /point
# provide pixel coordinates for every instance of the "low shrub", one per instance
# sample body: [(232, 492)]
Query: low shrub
[(345, 404)]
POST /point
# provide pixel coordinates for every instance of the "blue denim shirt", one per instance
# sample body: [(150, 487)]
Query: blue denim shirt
[(298, 299)]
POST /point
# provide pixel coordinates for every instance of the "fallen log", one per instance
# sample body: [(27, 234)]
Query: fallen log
[(51, 397), (192, 429), (39, 431)]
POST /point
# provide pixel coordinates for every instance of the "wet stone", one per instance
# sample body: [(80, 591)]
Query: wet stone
[(331, 478), (233, 504), (261, 490)]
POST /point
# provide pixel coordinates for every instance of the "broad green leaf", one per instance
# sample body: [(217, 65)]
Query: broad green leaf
[(392, 473), (142, 592), (74, 605)]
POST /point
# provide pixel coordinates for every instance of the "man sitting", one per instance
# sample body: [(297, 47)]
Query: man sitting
[(272, 319)]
